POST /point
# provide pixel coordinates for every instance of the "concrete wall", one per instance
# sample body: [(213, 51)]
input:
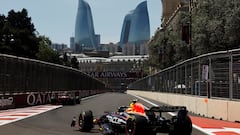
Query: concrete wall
[(219, 109)]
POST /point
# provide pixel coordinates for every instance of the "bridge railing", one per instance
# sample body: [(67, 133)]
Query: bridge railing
[(20, 75), (213, 75)]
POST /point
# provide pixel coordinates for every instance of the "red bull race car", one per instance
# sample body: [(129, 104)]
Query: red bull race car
[(137, 120)]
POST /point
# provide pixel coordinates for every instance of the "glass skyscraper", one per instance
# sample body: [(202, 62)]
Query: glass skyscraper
[(136, 28), (85, 38)]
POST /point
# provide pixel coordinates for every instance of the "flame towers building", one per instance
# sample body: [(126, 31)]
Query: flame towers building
[(85, 38), (135, 31)]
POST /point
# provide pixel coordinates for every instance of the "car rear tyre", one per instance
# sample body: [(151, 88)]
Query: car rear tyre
[(181, 125), (136, 125), (85, 121), (78, 101)]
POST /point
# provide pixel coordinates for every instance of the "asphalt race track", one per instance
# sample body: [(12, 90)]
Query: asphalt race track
[(57, 121)]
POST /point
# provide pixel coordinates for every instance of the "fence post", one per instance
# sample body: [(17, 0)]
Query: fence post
[(230, 76), (192, 80), (186, 79), (199, 77), (210, 78)]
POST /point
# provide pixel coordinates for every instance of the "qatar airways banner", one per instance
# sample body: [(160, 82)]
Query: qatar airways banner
[(17, 100), (113, 74)]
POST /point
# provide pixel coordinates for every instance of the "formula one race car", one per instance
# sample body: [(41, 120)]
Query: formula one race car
[(149, 122)]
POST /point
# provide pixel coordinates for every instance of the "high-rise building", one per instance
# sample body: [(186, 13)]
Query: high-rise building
[(136, 29), (58, 47), (85, 38), (72, 44)]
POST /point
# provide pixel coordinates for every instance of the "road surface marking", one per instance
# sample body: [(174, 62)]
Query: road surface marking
[(12, 115)]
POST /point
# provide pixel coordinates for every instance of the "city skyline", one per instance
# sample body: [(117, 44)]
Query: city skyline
[(57, 20)]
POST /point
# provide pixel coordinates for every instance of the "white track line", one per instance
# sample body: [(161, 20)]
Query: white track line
[(13, 115), (89, 97)]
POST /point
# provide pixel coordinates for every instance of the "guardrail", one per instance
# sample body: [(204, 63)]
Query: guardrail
[(213, 75)]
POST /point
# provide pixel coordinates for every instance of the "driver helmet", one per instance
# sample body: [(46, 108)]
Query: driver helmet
[(139, 108), (135, 106), (132, 103)]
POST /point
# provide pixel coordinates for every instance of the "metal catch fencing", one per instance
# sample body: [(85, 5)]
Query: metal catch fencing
[(213, 75), (20, 75)]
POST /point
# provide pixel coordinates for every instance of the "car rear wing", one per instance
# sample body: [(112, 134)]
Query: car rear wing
[(165, 108), (122, 108)]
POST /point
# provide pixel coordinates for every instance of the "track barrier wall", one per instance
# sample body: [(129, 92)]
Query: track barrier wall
[(27, 82)]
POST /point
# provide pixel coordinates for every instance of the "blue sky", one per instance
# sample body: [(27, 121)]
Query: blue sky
[(56, 18)]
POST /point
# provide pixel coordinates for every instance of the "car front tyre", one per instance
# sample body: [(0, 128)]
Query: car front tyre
[(85, 121)]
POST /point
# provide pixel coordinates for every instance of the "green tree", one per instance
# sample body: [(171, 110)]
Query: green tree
[(18, 35), (232, 27), (66, 61), (216, 26), (5, 36), (74, 63), (167, 48), (2, 23), (154, 49), (45, 53)]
